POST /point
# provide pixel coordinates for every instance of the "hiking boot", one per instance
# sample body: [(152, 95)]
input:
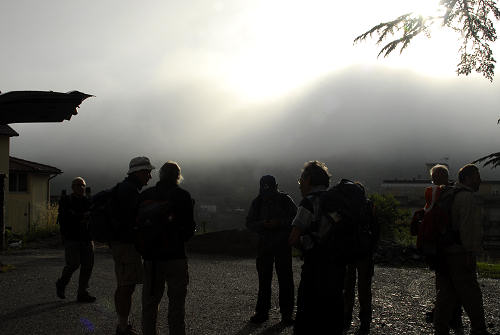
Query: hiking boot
[(128, 331), (429, 316), (60, 290), (286, 320), (362, 331), (259, 318), (85, 297)]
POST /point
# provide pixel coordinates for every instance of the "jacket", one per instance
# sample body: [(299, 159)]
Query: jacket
[(271, 206), (125, 204), (467, 217), (179, 227), (73, 218)]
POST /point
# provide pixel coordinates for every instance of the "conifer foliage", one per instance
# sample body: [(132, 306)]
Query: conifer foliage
[(472, 19)]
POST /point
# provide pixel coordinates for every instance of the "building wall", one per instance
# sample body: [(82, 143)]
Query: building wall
[(4, 155), (28, 210), (18, 214), (4, 169), (39, 198)]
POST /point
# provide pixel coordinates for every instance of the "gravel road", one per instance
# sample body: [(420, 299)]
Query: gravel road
[(221, 298)]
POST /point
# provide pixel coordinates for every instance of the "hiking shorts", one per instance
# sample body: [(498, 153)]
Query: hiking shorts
[(128, 264)]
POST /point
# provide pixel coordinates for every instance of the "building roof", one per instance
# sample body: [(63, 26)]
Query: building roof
[(7, 131), (21, 165), (39, 106)]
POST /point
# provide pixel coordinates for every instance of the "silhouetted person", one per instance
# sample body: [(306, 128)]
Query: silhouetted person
[(364, 269), (440, 178), (128, 262), (78, 246), (320, 308), (456, 277), (270, 215), (165, 261)]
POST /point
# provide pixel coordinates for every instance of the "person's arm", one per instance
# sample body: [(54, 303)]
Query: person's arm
[(253, 221), (302, 221), (290, 210), (62, 216), (185, 216)]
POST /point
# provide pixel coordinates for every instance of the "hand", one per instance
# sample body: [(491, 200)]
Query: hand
[(294, 237), (271, 224)]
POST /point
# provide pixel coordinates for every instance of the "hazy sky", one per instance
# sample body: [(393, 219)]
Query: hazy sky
[(201, 81)]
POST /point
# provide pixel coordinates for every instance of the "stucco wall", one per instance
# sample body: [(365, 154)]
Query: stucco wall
[(4, 155), (26, 210)]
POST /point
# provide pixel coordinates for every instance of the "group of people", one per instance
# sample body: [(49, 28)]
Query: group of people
[(165, 264), (325, 297), (455, 264), (326, 291)]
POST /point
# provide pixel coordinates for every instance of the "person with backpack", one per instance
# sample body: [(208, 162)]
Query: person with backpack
[(440, 179), (270, 216), (128, 263), (364, 269), (319, 301), (78, 246), (166, 223), (456, 277)]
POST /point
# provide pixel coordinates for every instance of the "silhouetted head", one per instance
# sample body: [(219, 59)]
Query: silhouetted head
[(78, 186), (170, 173), (439, 174), (469, 176), (314, 173), (268, 184), (141, 168)]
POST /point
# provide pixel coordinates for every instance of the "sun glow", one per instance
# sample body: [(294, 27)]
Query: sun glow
[(264, 50)]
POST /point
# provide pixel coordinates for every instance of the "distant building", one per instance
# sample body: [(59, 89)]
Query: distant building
[(28, 196), (410, 194)]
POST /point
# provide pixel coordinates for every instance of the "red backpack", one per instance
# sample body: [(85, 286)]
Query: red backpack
[(434, 230)]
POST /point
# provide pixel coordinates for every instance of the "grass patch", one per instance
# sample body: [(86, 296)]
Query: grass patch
[(487, 270), (39, 234)]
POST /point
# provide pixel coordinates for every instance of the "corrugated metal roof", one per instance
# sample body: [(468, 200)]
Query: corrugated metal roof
[(22, 165)]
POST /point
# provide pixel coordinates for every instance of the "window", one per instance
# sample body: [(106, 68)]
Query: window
[(18, 182)]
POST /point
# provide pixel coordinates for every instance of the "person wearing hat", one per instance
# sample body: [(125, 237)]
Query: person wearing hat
[(128, 263), (270, 216)]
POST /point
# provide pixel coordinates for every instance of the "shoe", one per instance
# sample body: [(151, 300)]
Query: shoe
[(85, 297), (429, 316), (287, 320), (129, 331), (259, 318), (60, 290), (362, 331)]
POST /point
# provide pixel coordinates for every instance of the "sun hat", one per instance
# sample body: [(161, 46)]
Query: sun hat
[(138, 164)]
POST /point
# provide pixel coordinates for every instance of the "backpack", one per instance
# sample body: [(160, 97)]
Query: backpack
[(102, 221), (434, 228), (344, 221), (152, 227)]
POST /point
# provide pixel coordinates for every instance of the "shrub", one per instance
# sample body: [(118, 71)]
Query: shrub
[(393, 220)]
